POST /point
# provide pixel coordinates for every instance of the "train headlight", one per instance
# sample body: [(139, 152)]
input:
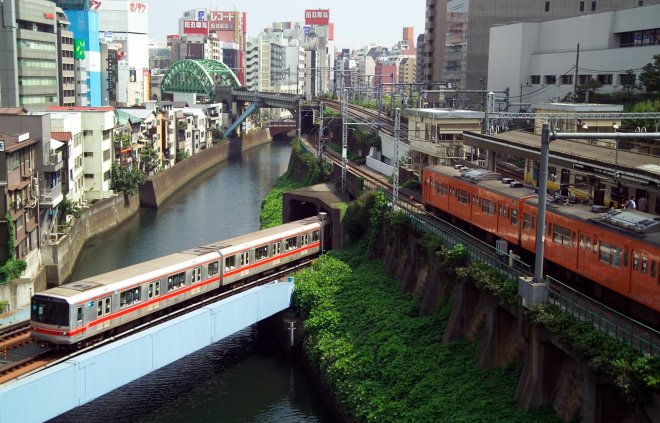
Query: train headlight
[(63, 333)]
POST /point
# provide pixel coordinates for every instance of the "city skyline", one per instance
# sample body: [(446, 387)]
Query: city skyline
[(383, 29)]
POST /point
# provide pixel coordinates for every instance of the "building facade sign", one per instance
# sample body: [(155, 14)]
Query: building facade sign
[(317, 16), (195, 27)]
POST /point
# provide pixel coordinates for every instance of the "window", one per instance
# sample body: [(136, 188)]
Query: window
[(245, 258), (584, 79), (627, 79), (107, 306), (567, 79), (151, 290), (653, 269), (645, 264), (605, 79), (581, 6), (514, 216), (277, 247), (488, 207), (230, 262), (588, 243), (581, 242), (527, 221), (315, 236), (561, 235), (535, 79), (605, 255), (79, 315), (131, 296), (99, 308), (290, 244), (547, 6), (593, 6), (213, 268), (157, 287), (261, 253), (462, 196), (88, 154), (106, 155), (550, 79), (198, 272), (442, 189), (304, 239), (176, 281)]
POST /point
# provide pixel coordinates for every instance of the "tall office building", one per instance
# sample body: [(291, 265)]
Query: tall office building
[(457, 31), (67, 85), (29, 71)]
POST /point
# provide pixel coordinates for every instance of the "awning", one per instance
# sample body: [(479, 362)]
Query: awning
[(55, 144)]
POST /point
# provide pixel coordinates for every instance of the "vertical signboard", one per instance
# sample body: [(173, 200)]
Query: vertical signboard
[(146, 84), (113, 58)]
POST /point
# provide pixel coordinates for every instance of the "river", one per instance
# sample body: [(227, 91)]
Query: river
[(244, 378)]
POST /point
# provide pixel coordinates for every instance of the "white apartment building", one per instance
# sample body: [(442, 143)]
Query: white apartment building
[(70, 124), (536, 60)]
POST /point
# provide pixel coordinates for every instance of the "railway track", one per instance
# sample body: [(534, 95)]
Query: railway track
[(363, 114)]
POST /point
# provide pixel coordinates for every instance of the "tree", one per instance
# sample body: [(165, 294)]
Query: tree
[(650, 75), (125, 179), (648, 106), (592, 86), (149, 159), (217, 135)]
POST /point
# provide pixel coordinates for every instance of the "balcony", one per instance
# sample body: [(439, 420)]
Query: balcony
[(53, 162), (51, 197)]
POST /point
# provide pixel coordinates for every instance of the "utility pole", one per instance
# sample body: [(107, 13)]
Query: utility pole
[(321, 130), (395, 171), (575, 78), (344, 138)]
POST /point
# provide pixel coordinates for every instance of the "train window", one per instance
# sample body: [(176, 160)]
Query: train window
[(290, 243), (230, 262), (277, 247), (130, 296), (176, 281), (488, 207), (527, 221), (635, 262), (595, 245), (99, 308), (581, 242), (653, 268), (79, 313), (605, 256), (261, 253), (157, 287), (443, 189), (573, 239), (625, 258), (588, 243), (561, 235), (151, 290), (245, 258), (199, 274), (462, 196), (213, 268), (617, 255), (315, 236), (304, 239), (645, 264), (514, 216), (107, 306)]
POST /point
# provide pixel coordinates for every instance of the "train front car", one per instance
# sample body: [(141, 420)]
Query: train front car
[(50, 319)]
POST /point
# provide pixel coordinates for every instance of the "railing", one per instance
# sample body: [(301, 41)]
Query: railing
[(639, 336)]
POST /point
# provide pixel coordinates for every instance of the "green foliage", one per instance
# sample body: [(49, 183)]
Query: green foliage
[(357, 216), (4, 306), (398, 221), (181, 155), (13, 267), (634, 375), (385, 362), (317, 171), (430, 242), (69, 208), (271, 206), (490, 280), (650, 75), (592, 86), (648, 106), (149, 159), (125, 179), (217, 136)]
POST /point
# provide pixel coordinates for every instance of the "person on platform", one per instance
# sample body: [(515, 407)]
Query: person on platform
[(642, 204), (630, 204)]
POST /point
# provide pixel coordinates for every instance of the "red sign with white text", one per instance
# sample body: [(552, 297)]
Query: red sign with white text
[(317, 16), (196, 27)]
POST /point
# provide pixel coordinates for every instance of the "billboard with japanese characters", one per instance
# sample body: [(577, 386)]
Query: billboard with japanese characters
[(317, 16), (195, 27)]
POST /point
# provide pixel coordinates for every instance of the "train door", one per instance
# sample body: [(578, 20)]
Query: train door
[(103, 308), (644, 277), (153, 291), (79, 316)]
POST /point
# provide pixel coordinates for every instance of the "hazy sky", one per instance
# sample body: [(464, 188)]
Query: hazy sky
[(357, 22)]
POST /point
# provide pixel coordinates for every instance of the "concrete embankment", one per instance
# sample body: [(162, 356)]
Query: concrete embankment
[(158, 188)]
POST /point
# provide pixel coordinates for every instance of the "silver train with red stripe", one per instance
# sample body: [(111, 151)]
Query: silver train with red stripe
[(81, 312)]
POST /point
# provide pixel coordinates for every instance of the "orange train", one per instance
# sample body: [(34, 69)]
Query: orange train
[(619, 249)]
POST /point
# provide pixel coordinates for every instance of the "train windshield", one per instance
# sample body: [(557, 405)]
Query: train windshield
[(50, 311)]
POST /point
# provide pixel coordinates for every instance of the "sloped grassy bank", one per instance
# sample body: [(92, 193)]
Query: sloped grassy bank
[(385, 362)]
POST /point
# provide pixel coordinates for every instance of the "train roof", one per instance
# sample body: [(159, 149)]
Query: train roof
[(632, 223), (109, 282)]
